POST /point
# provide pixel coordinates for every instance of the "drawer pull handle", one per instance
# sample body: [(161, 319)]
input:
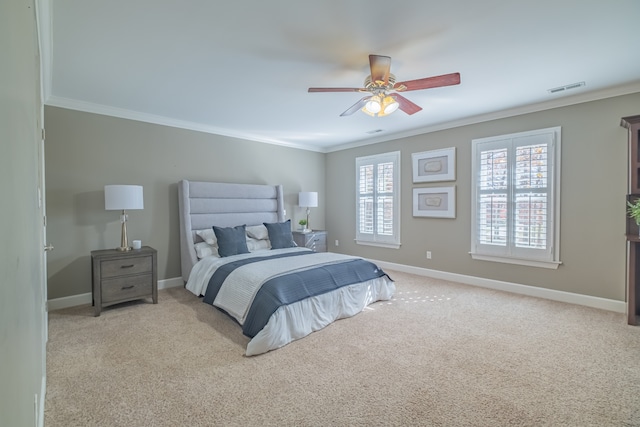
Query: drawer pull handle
[(127, 287), (127, 266)]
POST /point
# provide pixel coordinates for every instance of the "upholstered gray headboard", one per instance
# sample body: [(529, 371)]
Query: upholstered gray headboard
[(204, 204)]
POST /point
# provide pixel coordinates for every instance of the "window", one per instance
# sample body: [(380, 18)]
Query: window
[(378, 200), (515, 198)]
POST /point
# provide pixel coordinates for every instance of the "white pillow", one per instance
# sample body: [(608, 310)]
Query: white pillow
[(255, 245), (204, 249), (258, 232), (208, 236)]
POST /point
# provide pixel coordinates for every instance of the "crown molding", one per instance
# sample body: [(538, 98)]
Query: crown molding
[(89, 107), (502, 114), (565, 101)]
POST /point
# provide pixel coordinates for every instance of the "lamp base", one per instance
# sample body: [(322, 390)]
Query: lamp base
[(124, 242)]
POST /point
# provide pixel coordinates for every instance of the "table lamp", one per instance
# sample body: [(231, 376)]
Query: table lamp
[(308, 199), (123, 197)]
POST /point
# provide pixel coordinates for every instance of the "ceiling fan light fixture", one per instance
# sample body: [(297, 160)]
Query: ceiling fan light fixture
[(380, 107), (389, 105), (373, 106)]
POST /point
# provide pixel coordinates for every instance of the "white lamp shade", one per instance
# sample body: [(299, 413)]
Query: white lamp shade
[(119, 197), (308, 199)]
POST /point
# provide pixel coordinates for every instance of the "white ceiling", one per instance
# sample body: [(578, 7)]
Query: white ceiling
[(242, 68)]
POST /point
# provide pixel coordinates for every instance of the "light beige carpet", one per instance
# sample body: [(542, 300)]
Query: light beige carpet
[(438, 354)]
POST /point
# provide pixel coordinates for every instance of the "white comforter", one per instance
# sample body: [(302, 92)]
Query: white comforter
[(295, 320), (204, 269)]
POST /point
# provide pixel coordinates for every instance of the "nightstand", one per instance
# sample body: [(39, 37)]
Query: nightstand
[(315, 240), (123, 276)]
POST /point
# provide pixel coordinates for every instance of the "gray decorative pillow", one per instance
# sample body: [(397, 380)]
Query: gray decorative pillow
[(280, 234), (231, 240), (258, 232)]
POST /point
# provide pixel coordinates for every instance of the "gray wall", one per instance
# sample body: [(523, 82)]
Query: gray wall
[(21, 268), (593, 188), (86, 151)]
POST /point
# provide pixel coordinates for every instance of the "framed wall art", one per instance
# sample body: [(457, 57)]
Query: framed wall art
[(434, 165), (435, 202)]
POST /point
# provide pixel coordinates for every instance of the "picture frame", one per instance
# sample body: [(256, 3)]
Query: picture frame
[(434, 165), (434, 202)]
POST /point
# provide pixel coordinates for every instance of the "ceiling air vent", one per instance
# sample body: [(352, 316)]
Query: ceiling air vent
[(566, 87), (371, 132)]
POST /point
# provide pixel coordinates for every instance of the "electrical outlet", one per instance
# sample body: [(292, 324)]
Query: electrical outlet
[(428, 254), (337, 242)]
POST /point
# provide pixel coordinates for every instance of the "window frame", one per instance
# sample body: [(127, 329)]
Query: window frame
[(510, 253), (375, 238)]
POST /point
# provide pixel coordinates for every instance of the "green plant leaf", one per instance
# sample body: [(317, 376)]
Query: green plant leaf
[(633, 210)]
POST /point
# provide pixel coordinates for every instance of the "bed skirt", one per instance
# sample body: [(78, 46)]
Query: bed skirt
[(292, 322)]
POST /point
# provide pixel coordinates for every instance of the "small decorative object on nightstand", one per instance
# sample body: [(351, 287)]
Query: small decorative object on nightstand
[(119, 276), (315, 240)]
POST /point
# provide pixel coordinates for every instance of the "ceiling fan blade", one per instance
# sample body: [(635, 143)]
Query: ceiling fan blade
[(336, 89), (380, 66), (355, 107), (429, 82), (406, 105)]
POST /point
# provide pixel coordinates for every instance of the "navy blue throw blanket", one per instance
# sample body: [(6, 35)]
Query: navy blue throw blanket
[(293, 287)]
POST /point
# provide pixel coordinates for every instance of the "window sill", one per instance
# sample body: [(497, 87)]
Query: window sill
[(379, 244), (553, 265)]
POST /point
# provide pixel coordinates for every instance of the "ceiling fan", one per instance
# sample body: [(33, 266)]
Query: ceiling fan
[(382, 86)]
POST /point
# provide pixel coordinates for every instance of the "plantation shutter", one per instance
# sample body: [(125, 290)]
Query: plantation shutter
[(513, 196), (377, 199)]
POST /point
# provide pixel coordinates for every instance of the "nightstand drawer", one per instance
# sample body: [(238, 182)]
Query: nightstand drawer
[(317, 244), (315, 240), (125, 288), (319, 248), (126, 266)]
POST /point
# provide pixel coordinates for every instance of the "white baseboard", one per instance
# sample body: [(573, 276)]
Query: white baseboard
[(81, 299), (66, 302), (40, 402), (534, 291), (176, 282)]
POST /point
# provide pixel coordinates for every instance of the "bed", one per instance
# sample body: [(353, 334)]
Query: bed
[(237, 253)]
